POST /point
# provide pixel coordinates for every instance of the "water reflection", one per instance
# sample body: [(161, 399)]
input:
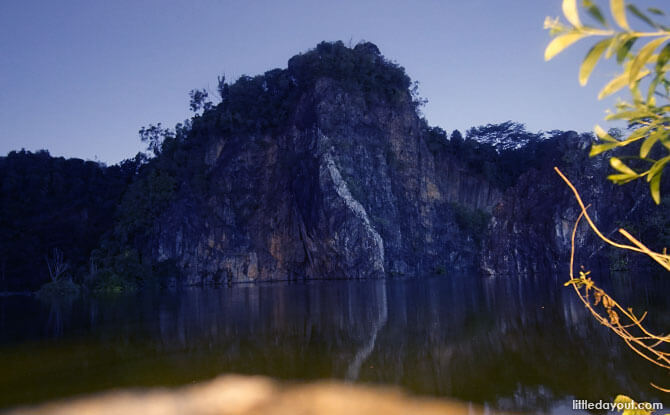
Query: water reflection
[(378, 321), (515, 345)]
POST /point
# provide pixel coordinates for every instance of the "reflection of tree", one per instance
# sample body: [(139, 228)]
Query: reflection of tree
[(3, 272), (55, 321), (60, 311)]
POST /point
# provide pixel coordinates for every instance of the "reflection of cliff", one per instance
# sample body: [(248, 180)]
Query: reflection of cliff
[(378, 323), (519, 346), (495, 341)]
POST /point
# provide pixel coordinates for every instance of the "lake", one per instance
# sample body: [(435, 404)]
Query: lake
[(523, 344)]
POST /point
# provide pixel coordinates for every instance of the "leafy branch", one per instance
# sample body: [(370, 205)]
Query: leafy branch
[(645, 59)]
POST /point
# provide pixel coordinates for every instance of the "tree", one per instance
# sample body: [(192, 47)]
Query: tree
[(456, 138), (504, 136), (154, 135), (223, 88), (57, 266), (644, 57), (199, 100)]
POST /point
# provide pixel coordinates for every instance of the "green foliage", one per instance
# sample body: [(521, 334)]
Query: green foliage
[(471, 221), (266, 102), (117, 268), (143, 202), (51, 202), (503, 152), (117, 265), (504, 136), (108, 282), (59, 290), (644, 57), (361, 67), (154, 135), (199, 100), (653, 227)]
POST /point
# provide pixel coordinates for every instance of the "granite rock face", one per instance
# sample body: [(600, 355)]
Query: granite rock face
[(531, 227), (351, 190), (348, 190), (353, 184)]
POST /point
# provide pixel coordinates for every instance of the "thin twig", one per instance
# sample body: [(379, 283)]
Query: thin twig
[(647, 344)]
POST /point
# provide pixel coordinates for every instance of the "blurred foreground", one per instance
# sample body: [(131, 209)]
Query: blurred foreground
[(242, 395)]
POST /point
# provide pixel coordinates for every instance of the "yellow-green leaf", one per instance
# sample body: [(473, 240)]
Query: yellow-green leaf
[(663, 58), (665, 142), (570, 12), (601, 148), (649, 142), (619, 13), (591, 60), (657, 167), (561, 42), (619, 82), (629, 115), (636, 412), (618, 165), (603, 135), (623, 50), (594, 11), (622, 399), (655, 187), (651, 98), (636, 135), (643, 57), (621, 178)]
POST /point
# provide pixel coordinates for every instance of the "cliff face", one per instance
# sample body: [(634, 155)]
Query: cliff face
[(349, 190), (322, 170), (325, 171), (531, 227)]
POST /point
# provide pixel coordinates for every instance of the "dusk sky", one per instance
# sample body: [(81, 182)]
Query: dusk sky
[(79, 78)]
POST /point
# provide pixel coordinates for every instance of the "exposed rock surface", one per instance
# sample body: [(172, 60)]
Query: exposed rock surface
[(353, 185), (531, 227), (349, 190)]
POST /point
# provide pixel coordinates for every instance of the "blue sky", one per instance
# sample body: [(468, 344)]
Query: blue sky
[(80, 78)]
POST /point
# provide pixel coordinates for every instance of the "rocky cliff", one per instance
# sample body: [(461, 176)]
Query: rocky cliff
[(327, 171), (531, 226), (322, 170), (348, 190)]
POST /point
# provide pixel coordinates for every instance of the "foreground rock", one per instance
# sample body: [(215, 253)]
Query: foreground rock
[(238, 395)]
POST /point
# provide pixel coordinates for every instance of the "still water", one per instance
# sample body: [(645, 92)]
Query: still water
[(514, 344)]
